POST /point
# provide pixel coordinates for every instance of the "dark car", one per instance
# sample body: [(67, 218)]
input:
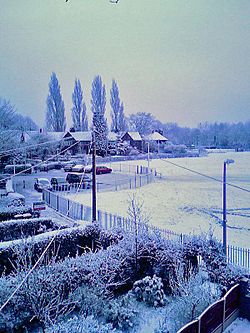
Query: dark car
[(59, 184), (42, 183), (78, 178)]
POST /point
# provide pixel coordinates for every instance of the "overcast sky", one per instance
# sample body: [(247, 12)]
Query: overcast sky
[(183, 61)]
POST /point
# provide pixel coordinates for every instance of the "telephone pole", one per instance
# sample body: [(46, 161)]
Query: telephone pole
[(93, 177)]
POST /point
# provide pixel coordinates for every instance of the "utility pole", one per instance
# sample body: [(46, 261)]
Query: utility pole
[(93, 177)]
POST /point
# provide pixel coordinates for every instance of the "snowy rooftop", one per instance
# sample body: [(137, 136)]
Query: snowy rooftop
[(81, 136), (156, 136), (135, 136)]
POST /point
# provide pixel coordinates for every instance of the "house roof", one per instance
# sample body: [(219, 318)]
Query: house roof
[(155, 136), (135, 136), (80, 136), (55, 135), (112, 136)]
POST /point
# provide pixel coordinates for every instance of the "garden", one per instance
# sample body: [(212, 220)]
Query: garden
[(93, 280)]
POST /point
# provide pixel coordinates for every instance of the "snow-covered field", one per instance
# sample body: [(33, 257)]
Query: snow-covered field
[(239, 326), (189, 203)]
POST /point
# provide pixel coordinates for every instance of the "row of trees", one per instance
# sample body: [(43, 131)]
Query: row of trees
[(55, 116)]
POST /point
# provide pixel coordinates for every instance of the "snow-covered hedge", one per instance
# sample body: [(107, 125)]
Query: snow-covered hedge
[(14, 229), (68, 242), (8, 213)]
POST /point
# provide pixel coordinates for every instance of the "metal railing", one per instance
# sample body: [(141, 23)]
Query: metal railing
[(77, 211)]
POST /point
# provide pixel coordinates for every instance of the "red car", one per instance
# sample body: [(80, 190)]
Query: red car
[(99, 169), (102, 169)]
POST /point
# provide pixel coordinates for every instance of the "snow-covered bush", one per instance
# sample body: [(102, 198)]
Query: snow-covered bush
[(122, 313), (149, 290), (191, 299), (8, 212), (14, 229), (80, 324)]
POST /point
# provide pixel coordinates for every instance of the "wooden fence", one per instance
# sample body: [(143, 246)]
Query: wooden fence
[(218, 316)]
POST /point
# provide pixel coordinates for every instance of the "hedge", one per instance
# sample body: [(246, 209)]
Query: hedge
[(14, 229), (8, 213), (68, 242)]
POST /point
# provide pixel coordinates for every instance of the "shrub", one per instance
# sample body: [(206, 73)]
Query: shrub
[(149, 290), (80, 324), (122, 313)]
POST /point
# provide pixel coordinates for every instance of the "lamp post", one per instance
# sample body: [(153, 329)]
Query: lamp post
[(224, 205), (148, 156)]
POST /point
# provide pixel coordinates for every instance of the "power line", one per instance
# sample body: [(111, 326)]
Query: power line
[(40, 257), (206, 176), (10, 151), (50, 158)]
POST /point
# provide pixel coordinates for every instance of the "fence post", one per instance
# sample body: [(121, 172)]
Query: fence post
[(57, 202), (140, 181), (67, 207)]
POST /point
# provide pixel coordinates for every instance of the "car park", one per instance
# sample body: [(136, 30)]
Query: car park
[(41, 184), (77, 178)]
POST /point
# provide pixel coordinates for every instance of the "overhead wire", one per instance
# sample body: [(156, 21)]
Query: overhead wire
[(42, 162), (205, 175), (42, 254), (8, 152)]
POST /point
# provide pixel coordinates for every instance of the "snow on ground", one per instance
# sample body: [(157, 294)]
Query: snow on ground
[(189, 203), (239, 326)]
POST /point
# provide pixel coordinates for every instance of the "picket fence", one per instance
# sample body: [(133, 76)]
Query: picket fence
[(77, 211), (218, 316)]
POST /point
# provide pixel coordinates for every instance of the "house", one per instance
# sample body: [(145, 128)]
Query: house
[(84, 139), (155, 139), (133, 138)]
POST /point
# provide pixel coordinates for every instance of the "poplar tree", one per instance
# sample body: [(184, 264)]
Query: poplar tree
[(98, 102), (55, 116)]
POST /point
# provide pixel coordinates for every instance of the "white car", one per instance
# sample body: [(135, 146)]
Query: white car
[(41, 184), (78, 168)]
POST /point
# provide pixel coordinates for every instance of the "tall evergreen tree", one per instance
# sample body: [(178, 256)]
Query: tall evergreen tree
[(78, 111), (117, 114), (122, 120), (98, 102), (55, 116)]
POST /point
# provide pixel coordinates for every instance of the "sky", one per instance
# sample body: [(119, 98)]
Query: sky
[(183, 61)]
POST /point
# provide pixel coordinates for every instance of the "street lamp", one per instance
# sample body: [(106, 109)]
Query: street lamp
[(224, 205), (148, 155)]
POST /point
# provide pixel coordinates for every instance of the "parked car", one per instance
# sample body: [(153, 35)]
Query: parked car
[(100, 169), (77, 178), (78, 168), (59, 183), (68, 167), (41, 184)]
